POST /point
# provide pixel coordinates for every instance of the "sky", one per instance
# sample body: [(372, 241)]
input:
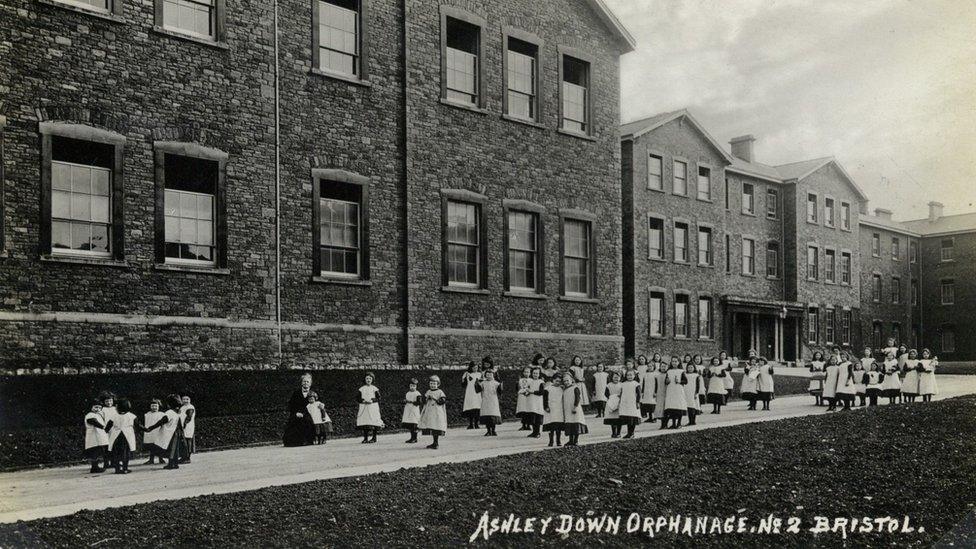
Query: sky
[(888, 87)]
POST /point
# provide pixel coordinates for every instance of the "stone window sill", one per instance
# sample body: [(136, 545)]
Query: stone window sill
[(341, 281), (525, 295), (657, 337), (80, 260), (708, 200), (575, 299), (342, 78), (706, 339), (658, 259), (749, 214), (577, 135), (202, 41), (750, 275), (107, 16), (680, 262), (706, 265), (523, 121), (655, 190), (462, 106), (191, 269), (463, 290)]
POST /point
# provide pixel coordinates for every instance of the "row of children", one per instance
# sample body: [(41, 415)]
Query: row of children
[(111, 427), (898, 373)]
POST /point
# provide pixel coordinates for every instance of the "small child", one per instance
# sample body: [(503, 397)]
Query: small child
[(927, 386), (521, 400), (817, 366), (659, 389), (715, 391), (765, 385), (188, 415), (831, 373), (412, 403), (874, 381), (170, 432), (600, 389), (149, 439), (910, 370), (122, 437), (891, 387), (728, 380), (491, 412), (321, 421), (629, 410), (749, 386), (433, 420), (860, 382), (846, 387), (533, 404), (675, 405), (107, 399), (552, 404), (574, 422), (692, 390), (648, 400), (96, 439), (368, 418)]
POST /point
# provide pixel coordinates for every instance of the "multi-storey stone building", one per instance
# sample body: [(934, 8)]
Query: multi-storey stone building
[(326, 183), (724, 252)]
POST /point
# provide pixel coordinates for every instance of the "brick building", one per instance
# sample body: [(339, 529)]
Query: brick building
[(724, 252), (195, 181)]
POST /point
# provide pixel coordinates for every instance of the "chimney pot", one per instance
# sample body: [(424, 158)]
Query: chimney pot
[(882, 213), (935, 210), (742, 147)]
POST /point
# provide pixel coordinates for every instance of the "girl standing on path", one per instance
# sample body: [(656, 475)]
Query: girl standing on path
[(846, 387), (830, 382), (874, 380), (816, 367), (368, 418), (675, 405), (765, 388), (319, 417), (574, 422), (534, 405), (96, 439), (612, 415), (108, 414), (433, 420), (522, 398), (660, 390), (170, 432), (579, 372), (749, 388), (412, 403), (552, 401), (728, 380), (472, 399), (491, 412), (641, 367), (648, 385), (910, 372), (629, 409), (891, 387), (693, 389), (149, 443), (927, 387), (715, 393), (600, 378), (122, 437), (860, 382)]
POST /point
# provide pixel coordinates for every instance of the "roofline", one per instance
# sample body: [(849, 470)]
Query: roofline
[(752, 174), (871, 223), (674, 116), (614, 24), (827, 161), (948, 233)]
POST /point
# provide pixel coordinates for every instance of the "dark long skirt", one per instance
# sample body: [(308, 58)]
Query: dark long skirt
[(299, 431)]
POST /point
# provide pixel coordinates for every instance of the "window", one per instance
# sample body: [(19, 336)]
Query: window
[(829, 318), (811, 208), (102, 6), (896, 292), (829, 212), (575, 95), (948, 292), (772, 260), (462, 61), (748, 199), (845, 216), (705, 318), (578, 271), (680, 178), (813, 263), (681, 242), (197, 18), (830, 267), (876, 289), (81, 190), (336, 32), (464, 244), (947, 248), (914, 293), (523, 251), (704, 246), (845, 268), (728, 254), (948, 340), (813, 324), (656, 314), (877, 335), (680, 316), (341, 226), (913, 251), (655, 238), (895, 249), (728, 194), (845, 327), (704, 183), (748, 256), (876, 245), (654, 178), (772, 203), (521, 79)]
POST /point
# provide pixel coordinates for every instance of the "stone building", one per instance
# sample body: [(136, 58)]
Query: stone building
[(198, 182), (724, 252)]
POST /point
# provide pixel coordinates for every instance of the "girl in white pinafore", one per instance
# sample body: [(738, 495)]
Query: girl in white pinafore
[(660, 388), (574, 422), (579, 373), (96, 439), (648, 399), (831, 372), (816, 367), (909, 383), (412, 403), (472, 398), (535, 410), (891, 387), (874, 380), (675, 404), (433, 420), (149, 439), (715, 386), (642, 368), (693, 389), (749, 388), (629, 411), (927, 387), (552, 401), (522, 397), (122, 437), (860, 382), (846, 387), (491, 410), (765, 388), (600, 378), (728, 380), (368, 418)]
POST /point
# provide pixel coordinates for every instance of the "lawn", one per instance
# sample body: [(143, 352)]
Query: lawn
[(892, 461)]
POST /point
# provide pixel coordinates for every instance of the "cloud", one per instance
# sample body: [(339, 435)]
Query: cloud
[(886, 86)]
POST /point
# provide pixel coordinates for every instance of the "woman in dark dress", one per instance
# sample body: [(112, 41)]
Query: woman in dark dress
[(299, 430)]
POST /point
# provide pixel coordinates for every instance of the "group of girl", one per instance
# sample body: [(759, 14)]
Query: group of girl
[(111, 427), (896, 372)]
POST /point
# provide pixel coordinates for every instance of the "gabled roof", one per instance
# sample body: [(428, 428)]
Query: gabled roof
[(637, 128), (946, 224), (801, 170), (883, 223), (614, 25), (756, 169)]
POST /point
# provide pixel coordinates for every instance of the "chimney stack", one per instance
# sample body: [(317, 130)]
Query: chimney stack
[(882, 213), (742, 147), (935, 210)]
